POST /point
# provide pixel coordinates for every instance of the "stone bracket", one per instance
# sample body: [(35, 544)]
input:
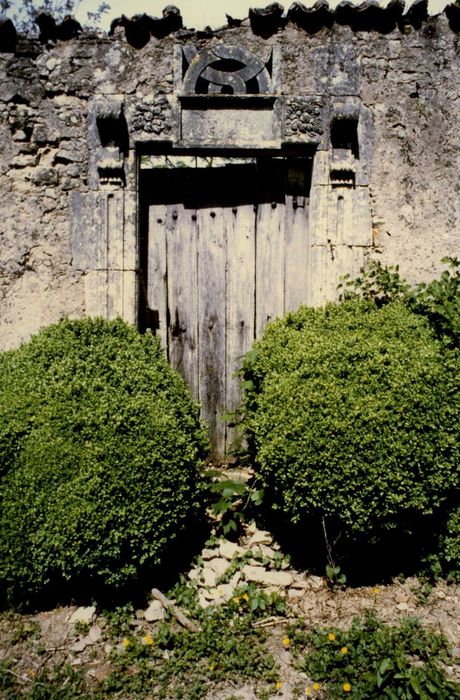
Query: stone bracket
[(108, 140)]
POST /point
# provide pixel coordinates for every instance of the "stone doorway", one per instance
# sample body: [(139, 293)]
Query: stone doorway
[(224, 249)]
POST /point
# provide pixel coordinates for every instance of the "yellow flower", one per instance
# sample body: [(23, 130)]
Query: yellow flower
[(344, 650), (148, 640), (331, 636), (126, 643), (236, 599), (376, 590), (307, 690), (278, 685), (316, 686), (212, 667), (245, 596), (286, 641), (346, 687)]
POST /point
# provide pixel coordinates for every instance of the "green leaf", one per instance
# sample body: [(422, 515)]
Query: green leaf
[(385, 666)]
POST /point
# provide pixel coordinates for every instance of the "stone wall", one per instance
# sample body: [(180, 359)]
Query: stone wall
[(77, 111)]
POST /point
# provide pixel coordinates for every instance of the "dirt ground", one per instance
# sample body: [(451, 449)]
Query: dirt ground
[(41, 640)]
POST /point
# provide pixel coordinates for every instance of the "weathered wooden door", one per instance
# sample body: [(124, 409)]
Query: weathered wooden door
[(227, 251)]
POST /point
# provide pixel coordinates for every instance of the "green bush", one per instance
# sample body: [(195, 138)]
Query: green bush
[(353, 416), (100, 455)]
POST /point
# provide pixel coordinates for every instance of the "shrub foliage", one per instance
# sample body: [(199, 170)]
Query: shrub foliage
[(353, 415), (100, 450), (438, 300)]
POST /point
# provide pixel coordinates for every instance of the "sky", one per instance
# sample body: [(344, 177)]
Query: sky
[(200, 13), (196, 13)]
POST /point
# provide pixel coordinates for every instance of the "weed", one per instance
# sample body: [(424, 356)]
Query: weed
[(373, 660), (250, 598), (230, 501), (422, 591), (82, 627), (334, 576), (119, 621), (24, 631), (185, 594), (438, 300), (183, 664), (59, 683)]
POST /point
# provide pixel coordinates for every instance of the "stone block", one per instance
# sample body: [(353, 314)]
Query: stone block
[(155, 612), (85, 231), (209, 577), (260, 537), (46, 176), (95, 282), (207, 554), (219, 565), (70, 155), (83, 615), (229, 549), (257, 574), (24, 161)]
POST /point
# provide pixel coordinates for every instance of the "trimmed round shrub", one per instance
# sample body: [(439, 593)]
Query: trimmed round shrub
[(100, 456), (353, 415)]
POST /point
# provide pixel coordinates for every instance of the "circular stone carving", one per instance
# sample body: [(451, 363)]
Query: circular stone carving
[(225, 69)]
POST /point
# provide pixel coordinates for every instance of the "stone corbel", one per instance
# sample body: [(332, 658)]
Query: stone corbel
[(108, 143)]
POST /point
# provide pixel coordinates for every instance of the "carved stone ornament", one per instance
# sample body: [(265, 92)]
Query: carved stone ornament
[(153, 116), (304, 117), (229, 70)]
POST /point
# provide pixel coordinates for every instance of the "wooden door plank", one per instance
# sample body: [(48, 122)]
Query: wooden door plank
[(296, 277), (157, 272), (270, 252), (240, 226), (183, 293), (211, 305)]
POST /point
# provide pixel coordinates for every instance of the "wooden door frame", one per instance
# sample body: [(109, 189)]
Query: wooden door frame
[(149, 318), (146, 321)]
